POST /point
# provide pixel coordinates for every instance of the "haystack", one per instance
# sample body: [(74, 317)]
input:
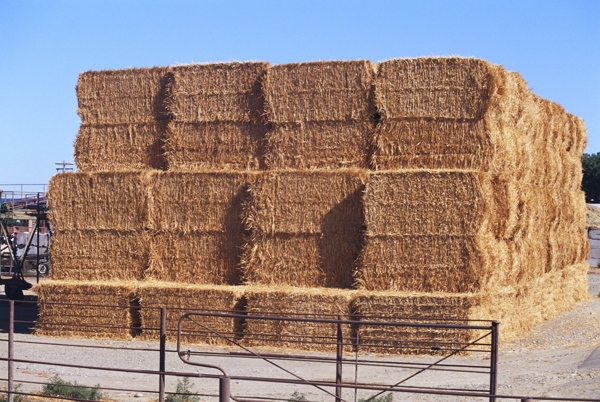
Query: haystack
[(449, 231), (461, 113), (196, 257), (90, 309), (216, 114), (422, 308), (134, 95), (182, 298), (220, 145), (198, 229), (284, 301), (98, 201), (319, 115), (99, 255), (124, 119), (305, 228), (120, 147)]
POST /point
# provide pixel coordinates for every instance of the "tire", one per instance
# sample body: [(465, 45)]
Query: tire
[(43, 269)]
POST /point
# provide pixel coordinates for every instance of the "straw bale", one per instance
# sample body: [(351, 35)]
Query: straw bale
[(319, 91), (217, 92), (98, 201), (432, 263), (593, 217), (318, 145), (202, 201), (180, 299), (315, 303), (301, 260), (99, 254), (421, 308), (423, 202), (86, 309), (430, 144), (215, 145), (310, 202), (195, 257), (452, 88), (120, 147), (448, 113), (122, 96)]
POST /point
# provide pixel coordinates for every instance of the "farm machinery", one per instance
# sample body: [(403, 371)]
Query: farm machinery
[(15, 253)]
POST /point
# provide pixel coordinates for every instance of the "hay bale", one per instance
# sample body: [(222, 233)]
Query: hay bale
[(301, 260), (201, 201), (305, 228), (428, 143), (318, 145), (120, 147), (196, 257), (98, 201), (319, 91), (99, 254), (593, 217), (128, 96), (462, 113), (310, 202), (420, 308), (315, 303), (423, 202), (85, 309), (436, 87), (180, 299), (217, 92), (219, 145), (434, 263)]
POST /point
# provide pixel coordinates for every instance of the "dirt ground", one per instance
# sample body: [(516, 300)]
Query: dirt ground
[(560, 358)]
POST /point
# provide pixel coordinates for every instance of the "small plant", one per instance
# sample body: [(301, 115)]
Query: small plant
[(297, 397), (383, 398), (183, 392), (16, 398), (60, 387)]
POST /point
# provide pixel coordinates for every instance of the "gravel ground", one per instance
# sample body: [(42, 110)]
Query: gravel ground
[(556, 359)]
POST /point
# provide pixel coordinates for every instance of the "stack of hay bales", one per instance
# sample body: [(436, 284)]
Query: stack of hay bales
[(216, 117), (423, 189), (123, 119), (319, 115), (476, 191), (305, 216)]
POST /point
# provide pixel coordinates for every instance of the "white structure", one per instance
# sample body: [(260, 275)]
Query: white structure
[(594, 237)]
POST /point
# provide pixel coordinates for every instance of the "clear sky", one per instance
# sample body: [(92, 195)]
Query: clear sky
[(45, 44)]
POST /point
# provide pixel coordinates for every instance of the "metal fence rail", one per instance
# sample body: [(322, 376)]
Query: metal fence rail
[(238, 370)]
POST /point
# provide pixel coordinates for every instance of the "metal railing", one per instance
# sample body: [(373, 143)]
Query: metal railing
[(339, 368)]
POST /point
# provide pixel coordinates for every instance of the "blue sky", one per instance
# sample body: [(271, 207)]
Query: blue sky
[(44, 45)]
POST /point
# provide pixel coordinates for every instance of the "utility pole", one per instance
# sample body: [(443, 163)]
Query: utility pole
[(63, 166)]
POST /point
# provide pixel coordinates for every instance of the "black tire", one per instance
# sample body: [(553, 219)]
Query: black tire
[(13, 292), (43, 269)]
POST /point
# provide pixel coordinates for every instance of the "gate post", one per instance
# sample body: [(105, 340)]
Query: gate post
[(11, 342), (161, 364), (494, 360), (339, 362), (224, 389)]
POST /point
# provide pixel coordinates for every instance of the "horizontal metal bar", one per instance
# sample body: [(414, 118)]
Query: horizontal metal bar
[(328, 321)]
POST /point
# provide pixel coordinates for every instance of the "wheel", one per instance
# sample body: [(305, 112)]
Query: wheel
[(43, 269), (13, 292)]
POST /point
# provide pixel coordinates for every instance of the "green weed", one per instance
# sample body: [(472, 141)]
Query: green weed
[(183, 392), (60, 387)]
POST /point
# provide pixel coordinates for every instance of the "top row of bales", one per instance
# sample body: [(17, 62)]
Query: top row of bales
[(427, 113)]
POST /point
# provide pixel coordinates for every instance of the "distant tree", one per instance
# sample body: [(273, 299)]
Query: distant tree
[(591, 177)]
